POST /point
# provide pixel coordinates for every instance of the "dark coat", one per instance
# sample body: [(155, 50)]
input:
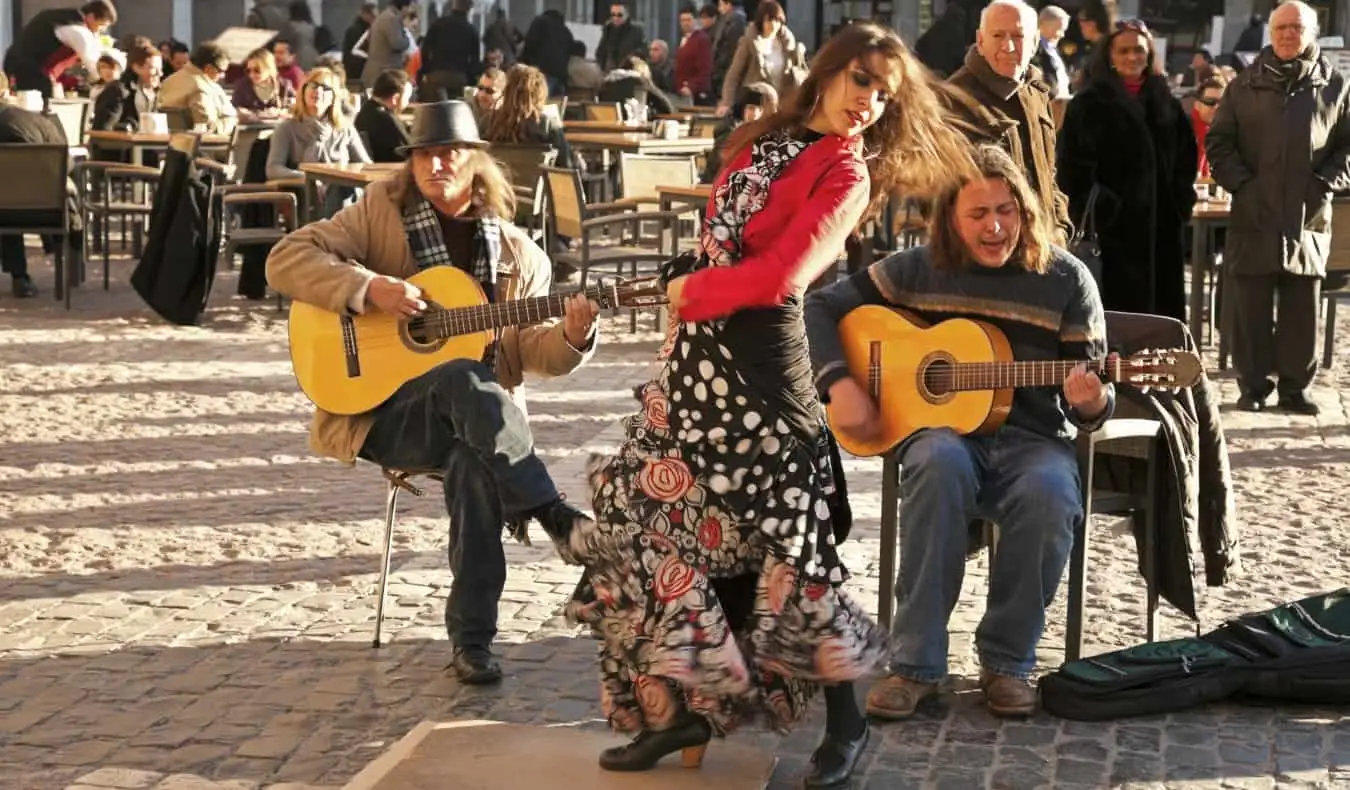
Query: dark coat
[(384, 133), (1194, 495), (547, 45), (115, 108), (985, 116), (451, 45), (1141, 155), (618, 43), (178, 265), (1281, 153)]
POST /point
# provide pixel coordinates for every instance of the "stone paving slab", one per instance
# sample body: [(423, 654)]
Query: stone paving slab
[(186, 593)]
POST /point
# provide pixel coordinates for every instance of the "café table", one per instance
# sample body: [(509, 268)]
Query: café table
[(354, 175), (140, 142), (695, 196), (1207, 217)]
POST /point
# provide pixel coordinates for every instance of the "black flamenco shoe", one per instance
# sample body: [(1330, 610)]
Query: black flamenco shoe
[(689, 736), (833, 761)]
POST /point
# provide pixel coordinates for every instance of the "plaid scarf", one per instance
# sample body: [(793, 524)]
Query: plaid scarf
[(422, 226)]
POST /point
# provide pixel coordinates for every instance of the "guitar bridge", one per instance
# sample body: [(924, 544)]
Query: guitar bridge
[(349, 347)]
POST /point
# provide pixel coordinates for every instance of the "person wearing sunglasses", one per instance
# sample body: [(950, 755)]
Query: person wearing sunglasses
[(621, 39), (1127, 162), (768, 53), (1208, 94), (1280, 143), (487, 93)]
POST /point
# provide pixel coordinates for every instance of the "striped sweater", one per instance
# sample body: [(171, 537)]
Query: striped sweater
[(1056, 315)]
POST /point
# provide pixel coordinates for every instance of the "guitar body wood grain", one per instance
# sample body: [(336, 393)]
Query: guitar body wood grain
[(387, 352), (902, 348)]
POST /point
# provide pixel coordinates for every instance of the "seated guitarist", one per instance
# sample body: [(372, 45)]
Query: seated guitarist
[(990, 258), (464, 417)]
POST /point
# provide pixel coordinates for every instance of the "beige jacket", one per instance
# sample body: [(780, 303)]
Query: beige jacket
[(326, 263), (749, 66), (204, 99)]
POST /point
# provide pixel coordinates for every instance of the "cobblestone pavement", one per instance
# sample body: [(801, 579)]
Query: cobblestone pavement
[(186, 594)]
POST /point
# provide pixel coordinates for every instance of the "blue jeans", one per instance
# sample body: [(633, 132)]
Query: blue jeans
[(1024, 482), (458, 419)]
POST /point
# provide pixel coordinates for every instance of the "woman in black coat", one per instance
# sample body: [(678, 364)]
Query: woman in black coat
[(1126, 137)]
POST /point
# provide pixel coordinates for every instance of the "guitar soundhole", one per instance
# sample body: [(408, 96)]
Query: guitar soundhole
[(936, 379), (422, 333)]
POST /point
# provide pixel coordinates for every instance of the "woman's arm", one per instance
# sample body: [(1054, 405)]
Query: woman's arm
[(808, 245), (356, 150), (281, 154)]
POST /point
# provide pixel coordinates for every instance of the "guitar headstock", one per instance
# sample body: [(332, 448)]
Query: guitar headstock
[(1164, 369), (638, 292)]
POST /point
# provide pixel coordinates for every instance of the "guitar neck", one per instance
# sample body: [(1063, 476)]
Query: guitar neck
[(456, 321), (967, 376)]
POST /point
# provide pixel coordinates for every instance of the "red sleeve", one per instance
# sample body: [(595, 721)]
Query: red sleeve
[(701, 80), (809, 243)]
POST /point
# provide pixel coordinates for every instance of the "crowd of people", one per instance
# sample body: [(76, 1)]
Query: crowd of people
[(712, 575)]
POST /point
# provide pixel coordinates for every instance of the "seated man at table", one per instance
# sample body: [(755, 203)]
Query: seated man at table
[(991, 259), (18, 125), (196, 88), (379, 122), (465, 417)]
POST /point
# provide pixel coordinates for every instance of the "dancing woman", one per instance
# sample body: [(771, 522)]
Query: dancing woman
[(715, 586)]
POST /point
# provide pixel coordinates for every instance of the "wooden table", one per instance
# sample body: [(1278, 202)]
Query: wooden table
[(695, 196), (600, 127), (640, 143), (354, 175), (140, 142), (1206, 217)]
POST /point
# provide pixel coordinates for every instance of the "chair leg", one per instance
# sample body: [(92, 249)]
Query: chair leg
[(1073, 632), (1150, 530), (1329, 335), (107, 243), (389, 511), (890, 538)]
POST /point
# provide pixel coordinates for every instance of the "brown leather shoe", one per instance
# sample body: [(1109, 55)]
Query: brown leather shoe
[(1005, 696), (894, 698)]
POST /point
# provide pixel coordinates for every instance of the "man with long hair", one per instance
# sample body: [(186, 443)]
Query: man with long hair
[(448, 207), (991, 258)]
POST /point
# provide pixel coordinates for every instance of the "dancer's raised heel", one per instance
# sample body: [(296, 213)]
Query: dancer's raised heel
[(689, 736), (692, 756)]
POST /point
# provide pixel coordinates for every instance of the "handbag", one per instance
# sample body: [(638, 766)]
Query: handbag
[(1085, 245)]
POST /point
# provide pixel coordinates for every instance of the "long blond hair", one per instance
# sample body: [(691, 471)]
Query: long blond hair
[(322, 76), (911, 149), (523, 100), (492, 189)]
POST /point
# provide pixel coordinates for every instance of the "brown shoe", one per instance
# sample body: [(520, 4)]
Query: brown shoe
[(1005, 696), (894, 698)]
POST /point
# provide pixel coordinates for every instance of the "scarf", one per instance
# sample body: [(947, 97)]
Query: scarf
[(1289, 74), (1001, 86), (422, 226)]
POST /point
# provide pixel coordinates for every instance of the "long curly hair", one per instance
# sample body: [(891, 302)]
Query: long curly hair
[(523, 102), (1035, 237), (911, 149)]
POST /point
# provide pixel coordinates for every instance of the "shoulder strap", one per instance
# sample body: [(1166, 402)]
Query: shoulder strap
[(1087, 226)]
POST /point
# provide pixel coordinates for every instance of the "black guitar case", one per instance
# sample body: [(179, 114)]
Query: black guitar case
[(1296, 653)]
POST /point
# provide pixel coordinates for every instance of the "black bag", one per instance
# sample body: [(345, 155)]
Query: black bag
[(178, 264), (1084, 245), (1299, 653)]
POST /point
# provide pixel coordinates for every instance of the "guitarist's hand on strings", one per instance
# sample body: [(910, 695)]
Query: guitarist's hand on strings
[(579, 320), (1085, 393), (852, 410), (395, 297)]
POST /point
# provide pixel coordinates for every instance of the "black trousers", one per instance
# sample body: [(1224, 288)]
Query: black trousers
[(1262, 345), (458, 419)]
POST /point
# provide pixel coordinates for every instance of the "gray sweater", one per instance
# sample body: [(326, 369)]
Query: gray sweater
[(1056, 315), (311, 140)]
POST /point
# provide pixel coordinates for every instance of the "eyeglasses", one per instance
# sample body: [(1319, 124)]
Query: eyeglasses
[(616, 15), (254, 70), (319, 87), (1208, 102), (488, 89)]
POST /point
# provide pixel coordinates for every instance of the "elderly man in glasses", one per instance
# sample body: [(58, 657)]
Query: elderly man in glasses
[(1280, 143)]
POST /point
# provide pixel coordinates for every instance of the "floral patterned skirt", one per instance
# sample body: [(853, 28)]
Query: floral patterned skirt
[(707, 497)]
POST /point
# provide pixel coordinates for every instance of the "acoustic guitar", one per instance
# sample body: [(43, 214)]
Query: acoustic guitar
[(351, 364), (960, 374)]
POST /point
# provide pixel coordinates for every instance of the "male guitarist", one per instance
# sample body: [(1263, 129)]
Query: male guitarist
[(464, 417), (991, 259)]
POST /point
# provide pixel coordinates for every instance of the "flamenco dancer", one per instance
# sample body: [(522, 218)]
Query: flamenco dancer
[(715, 586)]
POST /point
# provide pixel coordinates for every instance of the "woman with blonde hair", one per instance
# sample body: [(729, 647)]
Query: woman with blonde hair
[(317, 131), (520, 118), (262, 92), (715, 584)]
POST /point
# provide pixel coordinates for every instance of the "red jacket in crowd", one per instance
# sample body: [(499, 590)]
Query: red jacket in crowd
[(693, 64)]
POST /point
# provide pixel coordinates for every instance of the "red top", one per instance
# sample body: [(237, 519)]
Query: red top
[(1133, 85), (812, 207), (693, 63), (1201, 132)]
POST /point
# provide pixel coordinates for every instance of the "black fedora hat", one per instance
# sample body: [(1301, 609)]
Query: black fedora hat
[(443, 123)]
